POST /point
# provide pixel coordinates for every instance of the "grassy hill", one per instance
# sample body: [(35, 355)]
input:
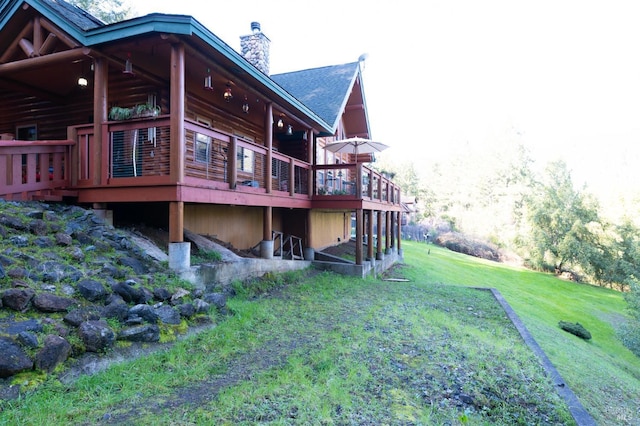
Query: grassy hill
[(319, 348)]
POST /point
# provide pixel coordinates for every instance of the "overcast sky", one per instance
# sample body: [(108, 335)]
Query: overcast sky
[(563, 77)]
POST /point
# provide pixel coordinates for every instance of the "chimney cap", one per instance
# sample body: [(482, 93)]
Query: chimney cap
[(255, 27)]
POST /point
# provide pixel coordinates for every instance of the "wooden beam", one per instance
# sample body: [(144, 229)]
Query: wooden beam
[(379, 229), (176, 222), (267, 223), (14, 44), (370, 234), (44, 61), (268, 142), (359, 250), (100, 141), (177, 110), (71, 43)]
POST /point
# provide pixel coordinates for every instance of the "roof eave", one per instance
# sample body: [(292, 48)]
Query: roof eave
[(183, 25)]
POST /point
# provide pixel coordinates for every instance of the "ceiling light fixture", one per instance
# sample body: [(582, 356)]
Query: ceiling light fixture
[(128, 66), (227, 93), (208, 85)]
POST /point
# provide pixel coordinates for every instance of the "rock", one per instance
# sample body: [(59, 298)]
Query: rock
[(78, 316), (133, 263), (13, 359), (168, 315), (18, 327), (46, 302), (219, 300), (13, 222), (55, 351), (17, 298), (43, 242), (145, 312), (97, 336), (201, 306), (19, 240), (18, 273), (2, 273), (38, 227), (117, 309), (129, 293), (160, 294), (63, 239), (180, 294), (141, 333), (28, 339), (186, 310), (92, 290)]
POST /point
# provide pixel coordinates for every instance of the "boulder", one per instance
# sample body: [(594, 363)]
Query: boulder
[(13, 360), (92, 290), (17, 298), (145, 312), (97, 336), (46, 302), (78, 316), (168, 315), (55, 351), (140, 333)]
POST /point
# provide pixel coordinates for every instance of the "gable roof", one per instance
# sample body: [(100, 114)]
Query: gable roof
[(324, 90), (321, 94)]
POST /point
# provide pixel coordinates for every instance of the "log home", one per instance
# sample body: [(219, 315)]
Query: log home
[(157, 120)]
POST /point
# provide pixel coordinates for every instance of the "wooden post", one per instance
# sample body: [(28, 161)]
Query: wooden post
[(392, 229), (100, 159), (387, 230), (359, 180), (232, 158), (176, 222), (311, 159), (359, 219), (268, 142), (379, 229), (369, 234), (177, 105), (399, 232), (292, 177), (267, 223)]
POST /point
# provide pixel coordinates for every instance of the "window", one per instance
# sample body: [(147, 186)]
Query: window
[(27, 132), (245, 160), (203, 148)]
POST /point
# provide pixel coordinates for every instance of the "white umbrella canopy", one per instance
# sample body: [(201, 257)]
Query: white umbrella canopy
[(355, 146)]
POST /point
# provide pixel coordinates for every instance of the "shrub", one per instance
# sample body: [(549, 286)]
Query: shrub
[(576, 329)]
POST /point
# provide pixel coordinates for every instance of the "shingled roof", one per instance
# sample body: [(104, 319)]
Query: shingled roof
[(323, 90), (78, 17)]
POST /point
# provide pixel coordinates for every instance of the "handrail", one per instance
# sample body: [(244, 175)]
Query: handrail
[(33, 168)]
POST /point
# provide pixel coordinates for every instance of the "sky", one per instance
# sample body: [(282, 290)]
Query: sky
[(561, 77)]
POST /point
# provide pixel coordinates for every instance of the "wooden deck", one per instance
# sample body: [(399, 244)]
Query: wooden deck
[(217, 168)]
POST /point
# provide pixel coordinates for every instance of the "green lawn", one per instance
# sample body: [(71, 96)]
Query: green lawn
[(326, 349), (602, 372)]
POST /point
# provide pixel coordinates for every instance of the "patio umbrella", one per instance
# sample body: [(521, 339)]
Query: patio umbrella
[(355, 146)]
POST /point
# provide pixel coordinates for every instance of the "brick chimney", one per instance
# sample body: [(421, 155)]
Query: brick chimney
[(255, 48)]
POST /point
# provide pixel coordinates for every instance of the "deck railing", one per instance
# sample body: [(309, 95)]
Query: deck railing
[(358, 181), (139, 153), (31, 169)]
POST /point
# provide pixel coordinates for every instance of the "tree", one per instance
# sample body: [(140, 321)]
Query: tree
[(109, 11), (562, 220)]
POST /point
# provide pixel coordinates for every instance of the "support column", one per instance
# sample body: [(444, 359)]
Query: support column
[(268, 142), (232, 158), (179, 251), (100, 152), (359, 251), (100, 210), (308, 251), (387, 233), (379, 253), (177, 105), (399, 234), (266, 245), (392, 230), (370, 235)]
